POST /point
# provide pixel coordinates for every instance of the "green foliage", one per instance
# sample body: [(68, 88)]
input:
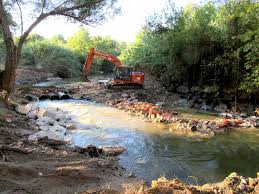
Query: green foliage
[(57, 53), (81, 43), (251, 49), (201, 45), (44, 54)]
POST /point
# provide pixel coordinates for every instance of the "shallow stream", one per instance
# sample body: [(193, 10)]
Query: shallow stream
[(153, 152)]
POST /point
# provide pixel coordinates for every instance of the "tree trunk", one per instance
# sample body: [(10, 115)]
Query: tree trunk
[(9, 74)]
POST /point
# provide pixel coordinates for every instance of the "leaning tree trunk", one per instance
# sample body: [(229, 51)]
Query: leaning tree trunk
[(7, 79), (9, 74)]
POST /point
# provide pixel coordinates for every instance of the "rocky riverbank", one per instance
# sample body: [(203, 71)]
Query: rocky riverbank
[(141, 103), (30, 162), (92, 173)]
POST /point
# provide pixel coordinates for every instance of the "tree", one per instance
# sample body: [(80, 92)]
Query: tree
[(84, 11)]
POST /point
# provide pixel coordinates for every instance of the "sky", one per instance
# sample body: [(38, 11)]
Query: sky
[(123, 27)]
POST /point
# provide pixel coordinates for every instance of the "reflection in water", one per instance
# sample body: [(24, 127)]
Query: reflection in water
[(152, 151)]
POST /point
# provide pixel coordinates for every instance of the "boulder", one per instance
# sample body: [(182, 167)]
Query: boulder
[(183, 90), (32, 114), (31, 97), (48, 134), (124, 95), (25, 109), (45, 121), (226, 115), (50, 112), (58, 129)]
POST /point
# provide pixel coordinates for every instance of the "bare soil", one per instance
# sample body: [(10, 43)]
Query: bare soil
[(44, 168), (34, 167)]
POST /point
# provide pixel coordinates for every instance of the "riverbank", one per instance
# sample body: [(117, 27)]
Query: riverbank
[(152, 104), (44, 167), (94, 172), (51, 166)]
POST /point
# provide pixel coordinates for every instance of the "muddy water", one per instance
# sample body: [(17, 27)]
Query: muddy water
[(152, 151)]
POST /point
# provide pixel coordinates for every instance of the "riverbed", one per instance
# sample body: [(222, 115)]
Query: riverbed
[(152, 151)]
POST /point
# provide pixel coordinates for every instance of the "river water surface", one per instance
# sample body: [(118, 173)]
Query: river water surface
[(153, 152)]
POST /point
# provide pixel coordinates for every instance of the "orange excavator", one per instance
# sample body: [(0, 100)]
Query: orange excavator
[(123, 75)]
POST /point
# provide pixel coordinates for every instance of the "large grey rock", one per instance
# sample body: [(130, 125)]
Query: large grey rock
[(58, 129), (32, 114), (45, 121), (183, 90), (48, 134), (25, 109), (124, 95)]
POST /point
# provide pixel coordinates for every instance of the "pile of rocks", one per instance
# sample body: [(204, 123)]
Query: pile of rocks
[(52, 123), (179, 124)]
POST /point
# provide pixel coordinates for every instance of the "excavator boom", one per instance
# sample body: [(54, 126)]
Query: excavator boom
[(123, 75), (99, 54)]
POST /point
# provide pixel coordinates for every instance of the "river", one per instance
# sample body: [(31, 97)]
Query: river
[(153, 152)]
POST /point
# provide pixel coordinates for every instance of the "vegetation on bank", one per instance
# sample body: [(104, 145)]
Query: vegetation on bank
[(67, 57), (215, 44)]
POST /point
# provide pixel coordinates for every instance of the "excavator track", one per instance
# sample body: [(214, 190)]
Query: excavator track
[(125, 86)]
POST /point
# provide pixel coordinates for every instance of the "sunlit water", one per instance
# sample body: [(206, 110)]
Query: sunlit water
[(152, 151)]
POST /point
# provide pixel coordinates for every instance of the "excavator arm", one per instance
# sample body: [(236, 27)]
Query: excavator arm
[(100, 54)]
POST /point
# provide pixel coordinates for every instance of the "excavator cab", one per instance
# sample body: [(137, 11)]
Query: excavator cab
[(122, 73)]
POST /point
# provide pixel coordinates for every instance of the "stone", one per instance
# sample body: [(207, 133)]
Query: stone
[(68, 139), (226, 115), (44, 128), (70, 126), (31, 97), (45, 120), (183, 90), (124, 95), (58, 129), (25, 109), (51, 112), (32, 114), (48, 134), (242, 187)]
